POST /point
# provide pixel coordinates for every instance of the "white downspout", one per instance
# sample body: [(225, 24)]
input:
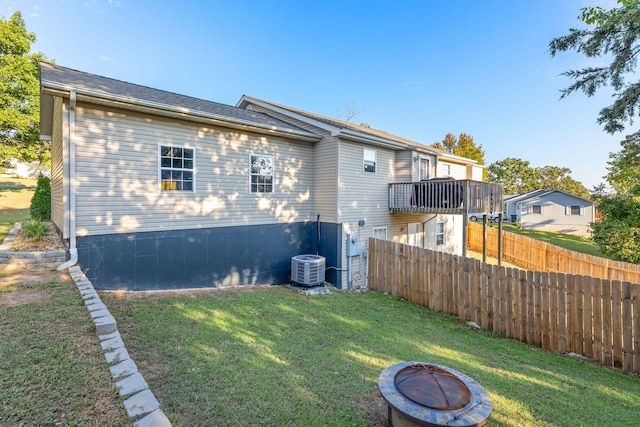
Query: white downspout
[(73, 251)]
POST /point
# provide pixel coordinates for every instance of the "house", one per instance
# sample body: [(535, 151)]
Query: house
[(551, 210), (156, 190)]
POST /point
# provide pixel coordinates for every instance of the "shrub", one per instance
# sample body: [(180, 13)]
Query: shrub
[(35, 229), (41, 202)]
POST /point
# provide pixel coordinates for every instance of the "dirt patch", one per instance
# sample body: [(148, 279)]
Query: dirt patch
[(22, 288), (27, 296)]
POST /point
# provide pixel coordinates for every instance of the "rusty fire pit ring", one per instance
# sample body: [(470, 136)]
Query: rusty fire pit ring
[(475, 412)]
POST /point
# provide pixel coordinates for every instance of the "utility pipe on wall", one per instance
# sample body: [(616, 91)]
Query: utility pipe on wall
[(73, 251)]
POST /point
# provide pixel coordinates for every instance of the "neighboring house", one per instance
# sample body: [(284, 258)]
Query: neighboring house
[(155, 190), (552, 210)]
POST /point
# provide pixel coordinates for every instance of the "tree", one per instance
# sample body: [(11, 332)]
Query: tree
[(612, 33), (463, 146), (350, 113), (618, 234), (558, 178), (624, 166), (516, 175), (19, 94), (599, 191)]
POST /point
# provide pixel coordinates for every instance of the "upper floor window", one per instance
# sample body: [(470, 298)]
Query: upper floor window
[(439, 233), (177, 168), (423, 168), (369, 158), (261, 174)]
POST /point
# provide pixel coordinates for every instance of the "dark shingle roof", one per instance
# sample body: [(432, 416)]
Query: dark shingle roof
[(363, 130), (51, 74)]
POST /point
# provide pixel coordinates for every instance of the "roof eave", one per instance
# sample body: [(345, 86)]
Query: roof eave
[(55, 89), (369, 139)]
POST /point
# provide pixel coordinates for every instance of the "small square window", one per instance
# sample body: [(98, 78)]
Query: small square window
[(380, 233), (536, 209), (177, 168), (369, 158), (575, 210)]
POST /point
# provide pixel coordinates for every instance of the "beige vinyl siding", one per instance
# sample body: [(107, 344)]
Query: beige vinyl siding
[(117, 176), (57, 169), (405, 172), (362, 195), (325, 180), (456, 171)]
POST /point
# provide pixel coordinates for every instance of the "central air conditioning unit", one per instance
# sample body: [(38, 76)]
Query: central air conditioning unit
[(307, 270)]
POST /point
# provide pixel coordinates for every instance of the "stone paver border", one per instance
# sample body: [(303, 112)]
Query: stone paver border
[(140, 403)]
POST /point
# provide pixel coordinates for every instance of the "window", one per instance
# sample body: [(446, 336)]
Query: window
[(177, 168), (439, 233), (261, 174), (536, 209), (369, 160), (380, 233), (423, 168), (574, 210), (446, 170)]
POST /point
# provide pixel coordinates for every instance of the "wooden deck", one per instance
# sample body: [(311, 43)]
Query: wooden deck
[(445, 196)]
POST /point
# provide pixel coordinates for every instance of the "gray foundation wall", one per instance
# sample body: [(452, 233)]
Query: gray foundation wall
[(213, 257)]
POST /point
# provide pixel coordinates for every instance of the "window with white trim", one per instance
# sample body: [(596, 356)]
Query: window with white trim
[(574, 210), (439, 233), (536, 209), (424, 166), (177, 166), (261, 174), (369, 158), (380, 233)]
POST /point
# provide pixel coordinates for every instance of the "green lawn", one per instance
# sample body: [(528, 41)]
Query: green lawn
[(14, 202), (567, 241), (269, 356), (52, 369)]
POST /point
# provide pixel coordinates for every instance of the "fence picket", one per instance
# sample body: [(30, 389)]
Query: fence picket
[(635, 302), (596, 323), (627, 316), (587, 319), (546, 327), (562, 314), (553, 311), (616, 291)]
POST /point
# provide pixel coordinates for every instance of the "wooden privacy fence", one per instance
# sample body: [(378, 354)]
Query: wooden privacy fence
[(541, 256), (595, 317)]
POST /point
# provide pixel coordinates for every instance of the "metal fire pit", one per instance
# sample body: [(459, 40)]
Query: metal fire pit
[(426, 394)]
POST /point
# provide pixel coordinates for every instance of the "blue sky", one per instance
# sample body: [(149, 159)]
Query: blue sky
[(418, 69)]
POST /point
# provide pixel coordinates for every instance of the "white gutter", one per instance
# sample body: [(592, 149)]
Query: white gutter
[(73, 251)]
